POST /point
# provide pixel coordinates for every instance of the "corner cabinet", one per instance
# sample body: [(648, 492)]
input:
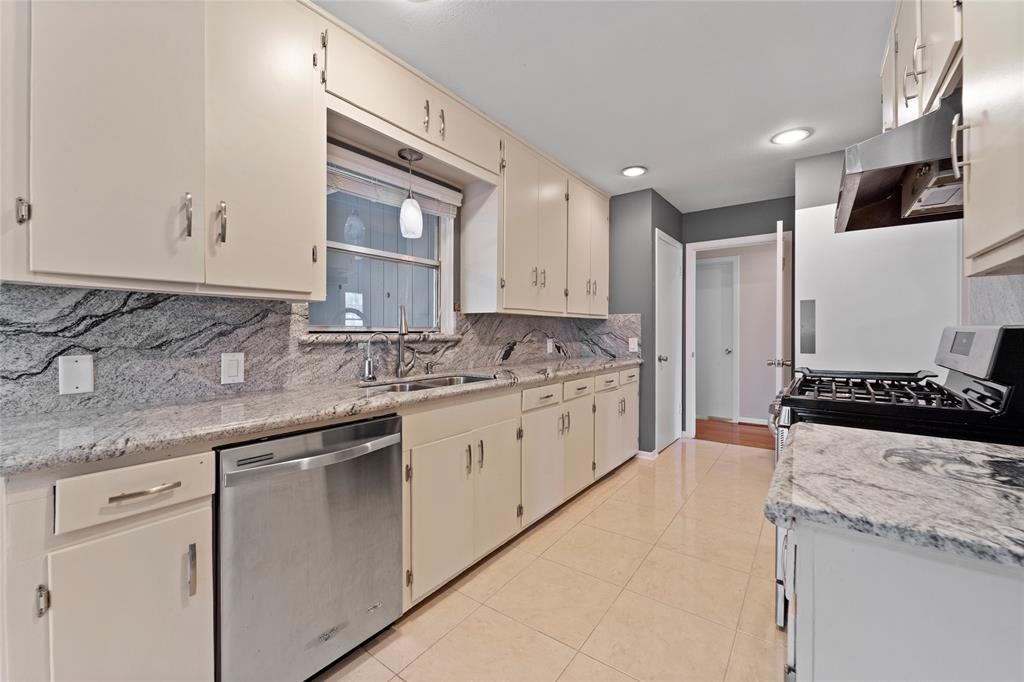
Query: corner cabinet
[(178, 143)]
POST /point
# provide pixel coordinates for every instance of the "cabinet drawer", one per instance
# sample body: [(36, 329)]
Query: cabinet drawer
[(91, 499), (541, 396), (604, 382), (629, 376), (577, 387)]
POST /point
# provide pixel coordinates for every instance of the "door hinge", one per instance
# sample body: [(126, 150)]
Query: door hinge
[(323, 38), (567, 292), (408, 472), (593, 466), (501, 151), (408, 577), (502, 282), (593, 408), (42, 600), (22, 210), (519, 511), (314, 253), (567, 196), (519, 433)]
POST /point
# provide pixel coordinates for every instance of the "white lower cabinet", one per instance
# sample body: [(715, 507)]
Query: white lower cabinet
[(498, 465), (616, 427), (630, 426), (135, 605), (579, 444), (544, 466)]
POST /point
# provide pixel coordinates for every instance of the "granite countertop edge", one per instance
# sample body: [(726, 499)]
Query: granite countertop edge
[(780, 509), (27, 442)]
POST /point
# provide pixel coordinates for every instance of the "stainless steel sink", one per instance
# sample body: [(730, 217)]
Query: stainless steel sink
[(424, 384), (456, 380)]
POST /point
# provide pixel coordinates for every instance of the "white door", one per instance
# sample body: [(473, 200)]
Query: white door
[(543, 461), (607, 431), (579, 444), (668, 419), (716, 338), (497, 485), (522, 274), (135, 605), (783, 309), (629, 424)]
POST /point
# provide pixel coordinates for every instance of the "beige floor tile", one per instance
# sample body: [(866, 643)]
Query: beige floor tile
[(755, 660), (428, 622), (545, 533), (489, 577), (597, 552), (746, 452), (652, 491), (744, 515), (764, 561), (652, 641), (490, 646), (559, 601), (585, 669), (719, 544), (691, 584), (758, 615), (358, 666), (640, 523)]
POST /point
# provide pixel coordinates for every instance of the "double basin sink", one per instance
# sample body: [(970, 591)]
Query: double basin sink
[(426, 383)]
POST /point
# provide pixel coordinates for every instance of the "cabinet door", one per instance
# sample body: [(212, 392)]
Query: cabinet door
[(599, 256), (551, 237), (888, 80), (464, 132), (117, 139), (908, 87), (374, 82), (630, 422), (498, 491), (608, 437), (522, 272), (123, 606), (993, 106), (543, 462), (579, 444), (940, 36), (581, 208), (262, 160), (441, 498)]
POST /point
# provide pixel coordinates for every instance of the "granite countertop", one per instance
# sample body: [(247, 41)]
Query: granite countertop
[(35, 442), (958, 496)]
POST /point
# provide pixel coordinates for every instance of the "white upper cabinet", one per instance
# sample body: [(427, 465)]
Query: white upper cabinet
[(551, 237), (908, 77), (265, 168), (939, 40), (464, 132), (993, 141), (116, 93), (587, 263), (889, 83), (521, 215)]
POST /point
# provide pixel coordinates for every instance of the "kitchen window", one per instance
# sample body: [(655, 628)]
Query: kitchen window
[(371, 268)]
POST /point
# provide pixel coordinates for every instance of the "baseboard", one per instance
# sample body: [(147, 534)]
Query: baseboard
[(644, 454), (751, 420)]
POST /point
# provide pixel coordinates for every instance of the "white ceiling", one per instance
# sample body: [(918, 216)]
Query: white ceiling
[(693, 90)]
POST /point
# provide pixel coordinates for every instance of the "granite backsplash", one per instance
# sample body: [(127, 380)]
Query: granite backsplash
[(163, 348)]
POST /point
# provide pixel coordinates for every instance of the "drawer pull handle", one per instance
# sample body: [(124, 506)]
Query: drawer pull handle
[(548, 396), (193, 577), (581, 388), (155, 490), (609, 381), (631, 376)]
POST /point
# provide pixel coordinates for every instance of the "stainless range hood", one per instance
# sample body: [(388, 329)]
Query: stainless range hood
[(902, 176)]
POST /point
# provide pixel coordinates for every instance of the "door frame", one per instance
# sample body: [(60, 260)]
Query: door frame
[(734, 263), (690, 296), (678, 427)]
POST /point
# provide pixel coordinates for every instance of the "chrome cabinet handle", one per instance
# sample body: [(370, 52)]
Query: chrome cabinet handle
[(442, 123), (155, 490), (222, 211), (561, 423), (188, 214), (534, 279), (906, 97), (544, 277), (568, 421), (954, 151), (594, 292), (481, 454), (193, 577), (588, 287), (469, 459), (426, 116), (915, 71)]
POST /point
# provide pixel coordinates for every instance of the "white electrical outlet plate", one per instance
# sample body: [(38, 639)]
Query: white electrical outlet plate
[(232, 368), (634, 344), (74, 374), (551, 345)]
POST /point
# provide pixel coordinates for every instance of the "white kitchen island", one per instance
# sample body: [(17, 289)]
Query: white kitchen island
[(906, 556)]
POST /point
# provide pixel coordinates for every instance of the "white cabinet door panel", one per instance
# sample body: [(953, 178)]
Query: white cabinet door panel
[(630, 421), (908, 87), (599, 235), (522, 271), (261, 160), (581, 207), (122, 608), (543, 462), (466, 133), (579, 444), (117, 139), (442, 499), (940, 36), (498, 491), (608, 437), (551, 237)]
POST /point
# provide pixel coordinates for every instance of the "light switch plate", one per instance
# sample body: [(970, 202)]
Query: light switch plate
[(634, 344), (551, 345), (232, 368), (74, 374)]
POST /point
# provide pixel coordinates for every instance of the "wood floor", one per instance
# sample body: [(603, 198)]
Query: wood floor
[(750, 435)]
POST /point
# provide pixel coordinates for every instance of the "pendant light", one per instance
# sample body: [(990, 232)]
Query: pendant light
[(411, 216)]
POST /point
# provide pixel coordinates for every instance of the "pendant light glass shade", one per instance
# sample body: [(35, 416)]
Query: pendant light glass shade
[(411, 219)]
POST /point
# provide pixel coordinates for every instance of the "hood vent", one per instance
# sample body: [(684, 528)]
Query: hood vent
[(902, 176)]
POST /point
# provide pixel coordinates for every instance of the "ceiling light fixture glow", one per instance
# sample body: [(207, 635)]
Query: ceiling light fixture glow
[(791, 136), (634, 171)]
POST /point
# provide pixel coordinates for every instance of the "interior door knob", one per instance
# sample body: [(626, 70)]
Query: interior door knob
[(728, 351), (662, 358)]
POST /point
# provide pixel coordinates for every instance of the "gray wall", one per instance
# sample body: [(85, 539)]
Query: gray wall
[(817, 179)]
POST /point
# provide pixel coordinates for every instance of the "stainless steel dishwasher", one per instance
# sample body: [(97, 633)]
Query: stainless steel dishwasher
[(309, 548)]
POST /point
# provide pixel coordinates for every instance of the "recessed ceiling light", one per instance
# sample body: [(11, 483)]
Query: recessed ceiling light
[(791, 136), (633, 171)]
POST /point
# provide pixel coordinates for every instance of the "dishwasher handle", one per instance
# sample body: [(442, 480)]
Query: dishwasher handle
[(358, 449)]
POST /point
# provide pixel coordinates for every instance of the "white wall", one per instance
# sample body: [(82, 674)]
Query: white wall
[(882, 296), (757, 326)]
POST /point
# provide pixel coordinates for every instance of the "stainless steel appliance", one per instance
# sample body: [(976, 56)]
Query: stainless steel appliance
[(309, 548)]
